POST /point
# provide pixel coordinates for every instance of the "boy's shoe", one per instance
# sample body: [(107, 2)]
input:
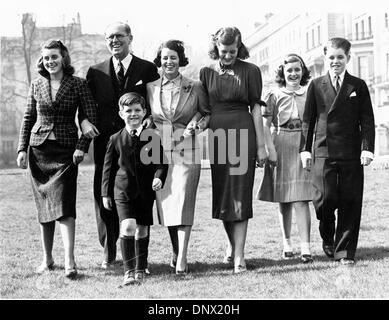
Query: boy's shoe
[(328, 249), (139, 276), (287, 255), (347, 262), (129, 278), (306, 258)]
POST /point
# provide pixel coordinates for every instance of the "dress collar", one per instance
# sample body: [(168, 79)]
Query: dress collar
[(298, 92)]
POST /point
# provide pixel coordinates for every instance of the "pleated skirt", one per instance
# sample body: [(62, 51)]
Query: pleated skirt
[(288, 181), (54, 181), (176, 201)]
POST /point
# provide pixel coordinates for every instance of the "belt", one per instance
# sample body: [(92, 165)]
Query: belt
[(292, 124)]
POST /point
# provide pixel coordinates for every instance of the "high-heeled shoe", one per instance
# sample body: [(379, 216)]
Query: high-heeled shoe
[(183, 272), (45, 267), (71, 273)]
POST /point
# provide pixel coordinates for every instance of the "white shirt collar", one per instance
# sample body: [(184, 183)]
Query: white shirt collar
[(138, 130), (176, 80), (341, 77), (125, 62)]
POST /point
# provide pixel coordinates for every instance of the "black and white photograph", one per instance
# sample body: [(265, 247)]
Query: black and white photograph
[(194, 156)]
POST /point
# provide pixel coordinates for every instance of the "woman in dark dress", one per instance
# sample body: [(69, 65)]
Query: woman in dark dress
[(50, 134), (236, 136)]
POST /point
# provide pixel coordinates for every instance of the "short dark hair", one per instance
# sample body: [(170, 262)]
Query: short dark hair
[(292, 57), (338, 43), (131, 98), (66, 62), (175, 45), (227, 36)]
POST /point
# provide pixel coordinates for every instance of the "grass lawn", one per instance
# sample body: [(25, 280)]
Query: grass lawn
[(268, 277)]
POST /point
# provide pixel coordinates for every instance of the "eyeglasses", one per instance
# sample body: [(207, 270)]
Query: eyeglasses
[(118, 36)]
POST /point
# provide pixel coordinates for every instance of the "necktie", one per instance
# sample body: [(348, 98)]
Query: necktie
[(337, 86), (133, 133), (120, 75)]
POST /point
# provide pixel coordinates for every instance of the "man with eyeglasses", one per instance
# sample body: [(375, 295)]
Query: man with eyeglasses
[(121, 73)]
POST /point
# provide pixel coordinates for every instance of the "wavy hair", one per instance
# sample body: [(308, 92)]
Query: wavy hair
[(66, 62), (175, 45), (227, 36), (292, 57)]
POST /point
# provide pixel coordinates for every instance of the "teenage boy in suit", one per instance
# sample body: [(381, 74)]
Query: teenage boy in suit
[(122, 72), (134, 182), (338, 112)]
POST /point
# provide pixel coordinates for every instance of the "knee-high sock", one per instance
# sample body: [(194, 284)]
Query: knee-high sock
[(141, 246), (127, 245), (148, 241)]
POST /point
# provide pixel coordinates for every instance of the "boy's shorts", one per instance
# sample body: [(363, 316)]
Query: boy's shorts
[(139, 209)]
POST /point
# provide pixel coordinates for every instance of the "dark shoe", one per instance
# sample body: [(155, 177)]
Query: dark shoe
[(71, 273), (328, 249), (287, 255), (45, 267), (346, 261), (139, 276), (306, 258), (129, 278), (183, 272)]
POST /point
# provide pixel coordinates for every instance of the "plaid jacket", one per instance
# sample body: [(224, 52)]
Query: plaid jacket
[(42, 115)]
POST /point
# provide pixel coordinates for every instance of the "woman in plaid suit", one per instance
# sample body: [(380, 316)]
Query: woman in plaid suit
[(49, 132)]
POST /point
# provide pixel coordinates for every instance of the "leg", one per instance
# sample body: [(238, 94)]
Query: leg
[(174, 240), (325, 199), (47, 238), (349, 212), (67, 227), (141, 244), (303, 219), (239, 230), (285, 217), (229, 257), (183, 241)]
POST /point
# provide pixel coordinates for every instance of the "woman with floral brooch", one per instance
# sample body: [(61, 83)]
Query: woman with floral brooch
[(179, 109)]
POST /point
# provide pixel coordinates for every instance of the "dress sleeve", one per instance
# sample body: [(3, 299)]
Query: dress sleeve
[(203, 79), (270, 108), (255, 87)]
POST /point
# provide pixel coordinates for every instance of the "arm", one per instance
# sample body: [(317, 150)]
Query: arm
[(87, 107), (259, 132), (107, 174), (269, 141), (308, 127), (366, 120)]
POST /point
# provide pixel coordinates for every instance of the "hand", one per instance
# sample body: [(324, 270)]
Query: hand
[(261, 156), (21, 160), (190, 129), (306, 160), (272, 160), (78, 156), (147, 122), (88, 129), (365, 161), (107, 203), (157, 184)]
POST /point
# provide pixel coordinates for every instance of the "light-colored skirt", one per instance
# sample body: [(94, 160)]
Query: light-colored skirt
[(288, 181), (177, 199)]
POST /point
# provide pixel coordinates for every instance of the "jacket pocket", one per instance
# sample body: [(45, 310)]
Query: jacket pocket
[(35, 128)]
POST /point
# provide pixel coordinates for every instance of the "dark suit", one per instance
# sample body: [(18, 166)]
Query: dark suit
[(341, 125), (125, 173), (105, 89), (44, 114)]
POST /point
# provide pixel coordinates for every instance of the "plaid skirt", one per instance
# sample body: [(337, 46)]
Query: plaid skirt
[(288, 181), (53, 180)]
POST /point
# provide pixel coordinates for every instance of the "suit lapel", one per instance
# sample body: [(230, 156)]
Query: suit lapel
[(107, 68), (344, 91), (185, 90), (329, 92), (45, 91), (66, 84), (132, 72), (156, 98)]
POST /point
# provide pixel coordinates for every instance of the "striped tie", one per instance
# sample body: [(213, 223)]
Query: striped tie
[(337, 86), (120, 75)]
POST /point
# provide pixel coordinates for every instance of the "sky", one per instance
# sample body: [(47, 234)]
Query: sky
[(153, 21)]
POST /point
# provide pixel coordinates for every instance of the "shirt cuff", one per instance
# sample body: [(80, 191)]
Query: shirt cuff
[(305, 155), (367, 154)]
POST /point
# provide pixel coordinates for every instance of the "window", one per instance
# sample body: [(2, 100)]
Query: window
[(363, 68), (318, 35), (386, 20), (387, 67), (369, 26), (356, 31), (307, 38), (363, 29), (313, 37)]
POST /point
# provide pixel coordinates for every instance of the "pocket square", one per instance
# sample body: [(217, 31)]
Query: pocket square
[(139, 82), (353, 94)]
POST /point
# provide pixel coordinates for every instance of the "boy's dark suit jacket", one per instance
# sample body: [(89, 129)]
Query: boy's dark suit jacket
[(343, 125), (124, 171)]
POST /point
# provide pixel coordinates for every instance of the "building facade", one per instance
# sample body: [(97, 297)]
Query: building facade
[(16, 53), (306, 33)]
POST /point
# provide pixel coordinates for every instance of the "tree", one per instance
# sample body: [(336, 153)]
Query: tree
[(28, 32)]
